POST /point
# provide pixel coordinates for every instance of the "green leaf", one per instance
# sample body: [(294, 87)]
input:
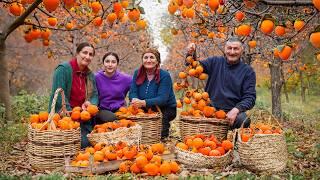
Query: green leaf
[(141, 9), (298, 154)]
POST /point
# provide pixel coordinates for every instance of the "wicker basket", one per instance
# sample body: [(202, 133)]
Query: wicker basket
[(130, 135), (151, 126), (263, 152), (198, 160), (47, 149), (191, 125)]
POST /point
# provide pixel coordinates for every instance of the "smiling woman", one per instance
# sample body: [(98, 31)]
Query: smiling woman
[(78, 84), (112, 86)]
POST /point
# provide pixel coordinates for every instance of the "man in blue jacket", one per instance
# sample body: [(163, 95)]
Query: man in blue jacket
[(231, 83)]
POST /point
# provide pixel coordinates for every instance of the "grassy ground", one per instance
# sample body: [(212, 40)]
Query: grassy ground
[(301, 130)]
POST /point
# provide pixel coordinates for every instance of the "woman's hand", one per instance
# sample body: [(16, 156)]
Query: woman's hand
[(85, 105), (138, 103)]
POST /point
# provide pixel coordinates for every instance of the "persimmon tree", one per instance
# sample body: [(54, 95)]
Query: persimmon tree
[(274, 32), (69, 22)]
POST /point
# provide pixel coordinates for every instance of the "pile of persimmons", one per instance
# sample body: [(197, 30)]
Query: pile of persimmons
[(132, 111), (206, 145), (111, 126), (258, 128), (136, 159), (38, 121)]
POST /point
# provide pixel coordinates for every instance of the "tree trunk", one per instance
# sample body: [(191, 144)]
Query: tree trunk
[(276, 85), (4, 79), (303, 88), (285, 90)]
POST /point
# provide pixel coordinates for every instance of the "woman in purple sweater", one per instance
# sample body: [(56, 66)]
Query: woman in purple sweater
[(112, 86)]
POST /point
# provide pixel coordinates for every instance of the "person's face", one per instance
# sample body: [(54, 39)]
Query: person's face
[(110, 64), (233, 51), (85, 56), (149, 61)]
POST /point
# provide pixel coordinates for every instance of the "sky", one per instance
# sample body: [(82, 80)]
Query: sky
[(154, 11)]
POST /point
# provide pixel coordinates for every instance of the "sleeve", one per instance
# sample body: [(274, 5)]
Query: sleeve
[(59, 81), (249, 93), (129, 82), (94, 99), (162, 97), (133, 93), (207, 65)]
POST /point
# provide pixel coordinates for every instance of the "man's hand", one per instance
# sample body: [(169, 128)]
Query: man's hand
[(85, 105), (138, 103), (191, 48), (232, 115)]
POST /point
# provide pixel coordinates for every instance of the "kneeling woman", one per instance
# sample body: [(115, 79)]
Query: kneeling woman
[(152, 86), (112, 86), (78, 83)]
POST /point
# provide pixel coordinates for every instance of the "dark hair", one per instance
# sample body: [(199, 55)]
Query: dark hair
[(83, 45), (153, 51), (112, 54)]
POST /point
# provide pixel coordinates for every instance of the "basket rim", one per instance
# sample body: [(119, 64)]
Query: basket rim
[(204, 156), (204, 119), (52, 130), (112, 132), (140, 117), (256, 136)]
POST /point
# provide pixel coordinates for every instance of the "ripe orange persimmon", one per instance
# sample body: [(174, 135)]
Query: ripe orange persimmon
[(285, 53), (244, 30), (92, 109), (52, 21), (182, 145), (315, 39), (214, 152), (34, 118), (151, 169), (266, 26), (298, 25), (134, 15), (213, 4), (174, 167), (280, 31), (252, 43), (43, 116), (96, 7), (51, 5), (165, 168), (75, 115), (16, 9), (220, 114), (85, 116), (239, 15)]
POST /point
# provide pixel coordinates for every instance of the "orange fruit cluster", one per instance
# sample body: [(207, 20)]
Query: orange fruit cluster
[(111, 126), (79, 114), (132, 110), (206, 145), (258, 128), (38, 121), (148, 161), (198, 105), (194, 69), (102, 152)]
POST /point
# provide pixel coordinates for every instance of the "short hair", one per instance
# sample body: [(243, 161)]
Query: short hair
[(111, 54), (83, 45), (234, 39)]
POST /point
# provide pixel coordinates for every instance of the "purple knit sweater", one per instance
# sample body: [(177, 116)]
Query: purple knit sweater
[(112, 90)]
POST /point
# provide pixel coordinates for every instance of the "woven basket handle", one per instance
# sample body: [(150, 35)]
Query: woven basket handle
[(53, 106), (158, 108), (271, 118)]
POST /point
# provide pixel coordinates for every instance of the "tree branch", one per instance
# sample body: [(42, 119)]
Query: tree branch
[(20, 20)]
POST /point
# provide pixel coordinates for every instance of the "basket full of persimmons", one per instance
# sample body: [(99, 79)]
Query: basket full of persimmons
[(112, 132), (262, 146), (53, 136), (201, 151)]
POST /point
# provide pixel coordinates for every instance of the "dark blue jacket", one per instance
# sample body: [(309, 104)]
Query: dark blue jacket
[(154, 94), (229, 85)]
